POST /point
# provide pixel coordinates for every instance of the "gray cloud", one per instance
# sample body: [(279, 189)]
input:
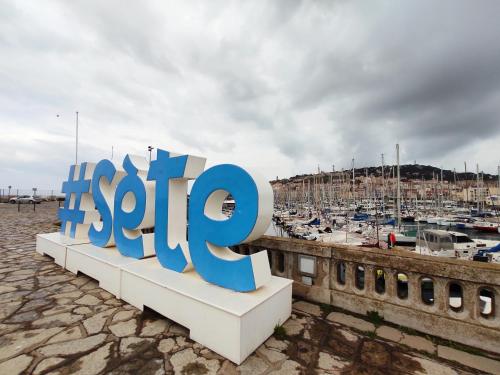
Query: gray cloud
[(280, 86)]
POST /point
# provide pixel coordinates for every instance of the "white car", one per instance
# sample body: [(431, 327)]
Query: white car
[(25, 199)]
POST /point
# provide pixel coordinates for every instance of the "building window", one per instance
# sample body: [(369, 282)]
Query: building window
[(360, 277), (341, 273), (455, 297), (486, 303), (380, 281), (427, 291), (402, 285)]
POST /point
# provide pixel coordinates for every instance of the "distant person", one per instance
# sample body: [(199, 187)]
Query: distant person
[(391, 240)]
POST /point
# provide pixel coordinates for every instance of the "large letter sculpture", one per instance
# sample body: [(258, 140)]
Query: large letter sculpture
[(78, 211), (104, 183), (171, 174), (134, 210), (210, 232)]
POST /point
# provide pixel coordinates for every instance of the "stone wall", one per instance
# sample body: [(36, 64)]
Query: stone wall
[(439, 296)]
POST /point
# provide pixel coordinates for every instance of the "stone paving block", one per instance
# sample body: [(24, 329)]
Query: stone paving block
[(423, 366), (73, 333), (307, 308), (166, 345), (74, 346), (153, 328), (418, 343), (186, 362), (271, 355), (327, 361), (93, 363), (95, 323), (130, 345), (467, 359), (294, 326), (276, 344), (88, 299), (17, 342), (46, 364), (389, 333), (124, 328), (348, 335), (253, 365), (123, 315), (351, 321), (15, 365), (289, 367)]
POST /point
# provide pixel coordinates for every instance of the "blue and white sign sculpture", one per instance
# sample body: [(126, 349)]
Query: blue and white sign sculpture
[(139, 196), (133, 228)]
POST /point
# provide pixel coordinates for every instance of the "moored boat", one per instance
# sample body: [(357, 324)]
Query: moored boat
[(486, 226), (444, 243)]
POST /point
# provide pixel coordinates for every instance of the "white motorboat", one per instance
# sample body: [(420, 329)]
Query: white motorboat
[(444, 243)]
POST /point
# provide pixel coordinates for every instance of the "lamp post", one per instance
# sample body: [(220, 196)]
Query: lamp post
[(10, 187), (76, 143), (34, 195), (150, 148)]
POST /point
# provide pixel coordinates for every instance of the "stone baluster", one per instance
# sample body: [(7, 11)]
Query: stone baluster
[(414, 289), (470, 300), (390, 283), (289, 265), (350, 275), (369, 280), (441, 301)]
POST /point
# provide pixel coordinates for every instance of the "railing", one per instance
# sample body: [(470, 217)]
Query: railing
[(453, 299)]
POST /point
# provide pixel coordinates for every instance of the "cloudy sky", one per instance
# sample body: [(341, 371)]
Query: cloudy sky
[(281, 86)]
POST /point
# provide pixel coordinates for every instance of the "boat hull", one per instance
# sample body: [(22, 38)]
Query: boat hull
[(486, 229)]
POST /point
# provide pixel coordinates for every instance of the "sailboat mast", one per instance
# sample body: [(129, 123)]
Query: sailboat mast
[(498, 172), (477, 186), (398, 200), (353, 183), (383, 185), (466, 185), (441, 194)]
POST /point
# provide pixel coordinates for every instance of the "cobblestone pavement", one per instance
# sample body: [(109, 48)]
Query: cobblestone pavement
[(54, 322)]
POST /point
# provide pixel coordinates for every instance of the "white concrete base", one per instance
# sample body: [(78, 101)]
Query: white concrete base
[(74, 241), (101, 263), (230, 323), (52, 244)]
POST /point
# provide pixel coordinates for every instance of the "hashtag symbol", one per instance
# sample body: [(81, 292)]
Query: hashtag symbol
[(73, 189)]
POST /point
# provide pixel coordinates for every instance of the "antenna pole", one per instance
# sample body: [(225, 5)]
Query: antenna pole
[(76, 143)]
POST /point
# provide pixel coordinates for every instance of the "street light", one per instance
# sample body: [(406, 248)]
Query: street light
[(34, 197), (10, 187), (150, 148)]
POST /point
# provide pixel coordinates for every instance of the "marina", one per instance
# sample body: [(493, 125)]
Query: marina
[(383, 210)]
